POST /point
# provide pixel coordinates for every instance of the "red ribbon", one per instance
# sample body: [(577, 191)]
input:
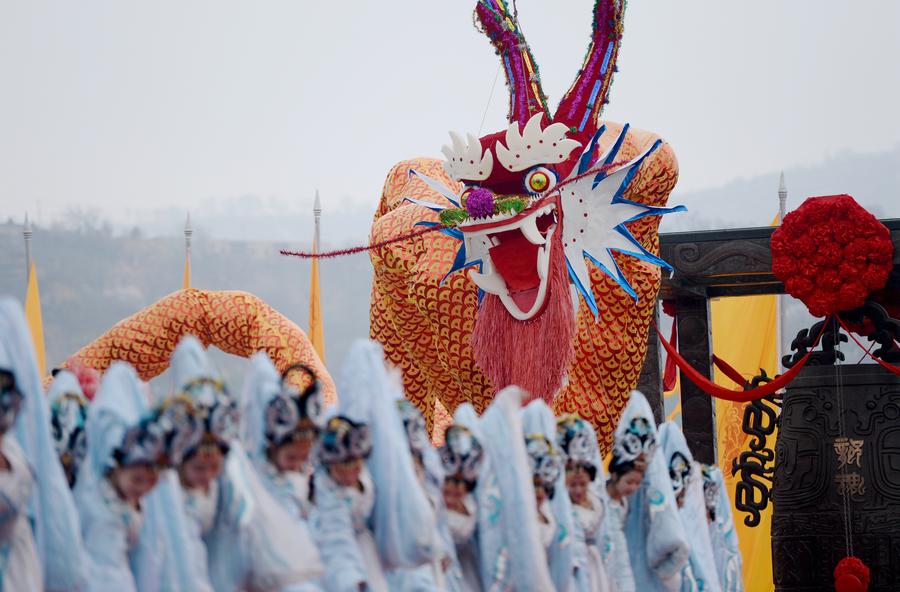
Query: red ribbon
[(729, 371), (889, 367), (670, 375), (714, 390)]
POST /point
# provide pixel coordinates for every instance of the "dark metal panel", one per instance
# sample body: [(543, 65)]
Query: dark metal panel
[(698, 410)]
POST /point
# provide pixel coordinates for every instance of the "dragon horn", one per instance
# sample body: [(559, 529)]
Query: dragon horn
[(526, 97), (581, 106)]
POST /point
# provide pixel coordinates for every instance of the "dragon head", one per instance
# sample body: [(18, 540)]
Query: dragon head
[(539, 200)]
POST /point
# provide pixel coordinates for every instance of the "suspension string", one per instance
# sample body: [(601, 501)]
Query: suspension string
[(490, 96), (845, 490)]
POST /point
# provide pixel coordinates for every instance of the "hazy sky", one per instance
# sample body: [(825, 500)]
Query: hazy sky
[(128, 106)]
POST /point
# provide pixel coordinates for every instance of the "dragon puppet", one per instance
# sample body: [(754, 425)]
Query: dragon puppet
[(542, 269)]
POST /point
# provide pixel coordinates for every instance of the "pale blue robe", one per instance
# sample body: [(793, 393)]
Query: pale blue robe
[(51, 506), (657, 545)]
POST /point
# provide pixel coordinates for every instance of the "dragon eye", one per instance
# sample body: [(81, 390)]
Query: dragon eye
[(539, 180)]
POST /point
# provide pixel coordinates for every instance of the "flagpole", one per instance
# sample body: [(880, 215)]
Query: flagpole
[(33, 301), (779, 301), (317, 214), (27, 233), (315, 307), (188, 233)]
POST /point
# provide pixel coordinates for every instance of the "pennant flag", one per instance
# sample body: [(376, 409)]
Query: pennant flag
[(316, 334), (188, 233), (34, 319), (186, 281)]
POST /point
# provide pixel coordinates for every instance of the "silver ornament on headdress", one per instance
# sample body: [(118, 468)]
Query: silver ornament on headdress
[(180, 427), (462, 454), (287, 410), (710, 490), (215, 408), (414, 424), (141, 444), (343, 440), (577, 441), (679, 472), (546, 462), (68, 416), (638, 440)]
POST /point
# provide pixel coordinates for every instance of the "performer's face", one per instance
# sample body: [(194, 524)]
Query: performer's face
[(201, 468), (455, 491), (627, 483), (292, 456), (133, 482), (577, 482), (346, 474)]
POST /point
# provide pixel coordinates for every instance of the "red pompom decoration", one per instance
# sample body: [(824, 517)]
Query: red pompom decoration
[(851, 575), (831, 254)]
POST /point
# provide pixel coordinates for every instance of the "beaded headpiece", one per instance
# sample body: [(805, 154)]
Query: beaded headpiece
[(679, 472), (546, 462), (577, 442), (291, 413), (638, 440), (342, 440), (68, 416), (710, 490), (214, 408), (462, 454), (414, 424)]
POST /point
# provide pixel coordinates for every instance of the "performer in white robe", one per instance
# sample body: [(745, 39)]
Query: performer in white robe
[(566, 552), (249, 539), (463, 457), (657, 546), (20, 568), (510, 550), (444, 572), (68, 408), (722, 533), (618, 561), (121, 468), (402, 520), (31, 455), (578, 441), (281, 426), (687, 485), (344, 486), (546, 468)]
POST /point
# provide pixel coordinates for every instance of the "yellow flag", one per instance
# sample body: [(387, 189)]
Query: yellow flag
[(33, 317), (186, 282), (316, 334), (744, 334)]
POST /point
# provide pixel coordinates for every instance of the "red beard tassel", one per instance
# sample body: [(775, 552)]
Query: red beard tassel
[(851, 575), (535, 354)]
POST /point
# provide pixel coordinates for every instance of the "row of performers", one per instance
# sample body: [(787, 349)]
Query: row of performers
[(269, 491)]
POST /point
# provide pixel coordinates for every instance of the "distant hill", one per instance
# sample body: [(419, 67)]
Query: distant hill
[(872, 179), (90, 279)]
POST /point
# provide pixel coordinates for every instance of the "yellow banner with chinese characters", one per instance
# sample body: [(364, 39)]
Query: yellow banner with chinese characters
[(744, 334)]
